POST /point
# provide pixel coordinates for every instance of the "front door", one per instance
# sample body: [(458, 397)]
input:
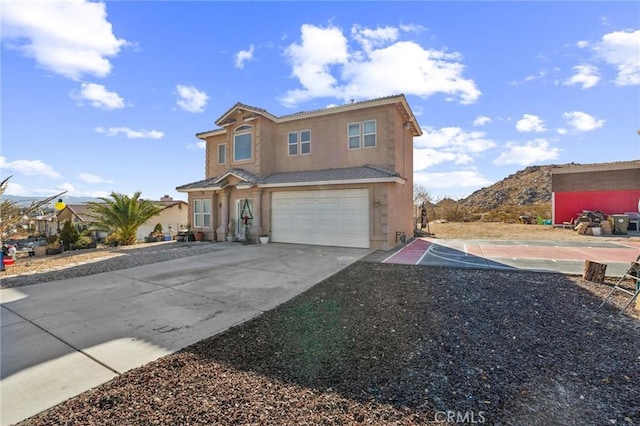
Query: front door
[(244, 217)]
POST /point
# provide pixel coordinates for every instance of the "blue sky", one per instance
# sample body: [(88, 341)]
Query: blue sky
[(102, 97)]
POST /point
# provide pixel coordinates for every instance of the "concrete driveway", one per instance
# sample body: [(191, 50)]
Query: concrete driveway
[(61, 338)]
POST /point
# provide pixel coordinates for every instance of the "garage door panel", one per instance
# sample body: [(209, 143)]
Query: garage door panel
[(335, 218)]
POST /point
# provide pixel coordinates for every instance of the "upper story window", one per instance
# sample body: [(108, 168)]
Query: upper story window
[(369, 133), (362, 134), (299, 142), (222, 153), (242, 143), (354, 135)]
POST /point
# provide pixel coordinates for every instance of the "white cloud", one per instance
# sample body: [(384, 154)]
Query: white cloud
[(91, 178), (530, 152), (197, 146), (244, 56), (70, 38), (582, 44), (481, 120), (66, 187), (380, 64), (191, 99), (530, 123), (369, 39), (29, 168), (620, 49), (16, 189), (448, 144), (455, 179), (587, 75), (99, 96), (539, 75), (582, 122), (130, 133), (562, 131)]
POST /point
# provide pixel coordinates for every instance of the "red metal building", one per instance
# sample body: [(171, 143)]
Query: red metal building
[(613, 188)]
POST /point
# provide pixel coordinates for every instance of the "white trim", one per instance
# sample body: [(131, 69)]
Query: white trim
[(232, 174), (210, 133), (375, 134), (225, 153), (334, 182), (359, 135)]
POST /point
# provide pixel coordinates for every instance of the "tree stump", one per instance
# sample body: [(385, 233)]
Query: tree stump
[(594, 271)]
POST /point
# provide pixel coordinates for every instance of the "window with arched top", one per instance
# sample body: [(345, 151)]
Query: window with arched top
[(242, 143)]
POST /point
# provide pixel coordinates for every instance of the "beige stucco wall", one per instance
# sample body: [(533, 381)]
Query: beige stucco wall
[(391, 209), (329, 140), (174, 216)]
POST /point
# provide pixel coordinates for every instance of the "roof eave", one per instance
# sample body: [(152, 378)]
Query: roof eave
[(391, 179)]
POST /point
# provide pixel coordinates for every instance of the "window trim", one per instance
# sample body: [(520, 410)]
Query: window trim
[(305, 142), (245, 129), (359, 135), (375, 134), (222, 145), (298, 143), (290, 145), (200, 213)]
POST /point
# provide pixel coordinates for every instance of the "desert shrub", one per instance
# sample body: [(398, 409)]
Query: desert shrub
[(113, 239)]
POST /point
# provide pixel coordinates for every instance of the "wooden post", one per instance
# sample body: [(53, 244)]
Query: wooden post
[(594, 271)]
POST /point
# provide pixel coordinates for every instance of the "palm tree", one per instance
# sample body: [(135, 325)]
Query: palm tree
[(122, 215)]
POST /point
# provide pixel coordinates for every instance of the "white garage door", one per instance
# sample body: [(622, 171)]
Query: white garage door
[(329, 218)]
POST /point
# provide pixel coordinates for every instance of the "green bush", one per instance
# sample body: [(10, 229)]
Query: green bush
[(69, 235)]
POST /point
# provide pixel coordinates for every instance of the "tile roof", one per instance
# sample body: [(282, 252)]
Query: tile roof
[(367, 101), (367, 172), (350, 173)]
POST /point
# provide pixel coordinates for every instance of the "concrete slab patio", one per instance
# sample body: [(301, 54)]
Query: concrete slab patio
[(61, 338), (567, 257)]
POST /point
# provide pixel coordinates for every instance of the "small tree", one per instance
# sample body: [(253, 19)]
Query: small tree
[(420, 195), (122, 215), (12, 213), (69, 234)]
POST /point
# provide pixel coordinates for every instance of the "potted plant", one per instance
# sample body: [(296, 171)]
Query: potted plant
[(54, 245), (264, 239), (157, 234)]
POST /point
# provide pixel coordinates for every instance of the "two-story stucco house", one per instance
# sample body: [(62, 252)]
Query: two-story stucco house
[(340, 176)]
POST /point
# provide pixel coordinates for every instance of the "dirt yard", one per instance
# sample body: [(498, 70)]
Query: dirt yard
[(516, 231)]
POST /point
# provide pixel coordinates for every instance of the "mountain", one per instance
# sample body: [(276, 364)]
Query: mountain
[(530, 186), (29, 200)]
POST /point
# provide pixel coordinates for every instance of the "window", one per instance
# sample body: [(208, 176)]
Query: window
[(369, 133), (305, 142), (367, 136), (222, 154), (293, 143), (354, 135), (301, 144), (242, 143), (202, 213)]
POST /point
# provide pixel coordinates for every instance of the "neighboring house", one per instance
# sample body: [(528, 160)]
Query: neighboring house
[(76, 213), (175, 215), (339, 176), (613, 188)]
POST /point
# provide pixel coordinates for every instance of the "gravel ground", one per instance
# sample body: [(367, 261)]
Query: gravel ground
[(76, 263), (395, 344)]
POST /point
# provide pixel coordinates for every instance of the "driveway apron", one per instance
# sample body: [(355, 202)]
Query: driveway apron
[(64, 337)]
